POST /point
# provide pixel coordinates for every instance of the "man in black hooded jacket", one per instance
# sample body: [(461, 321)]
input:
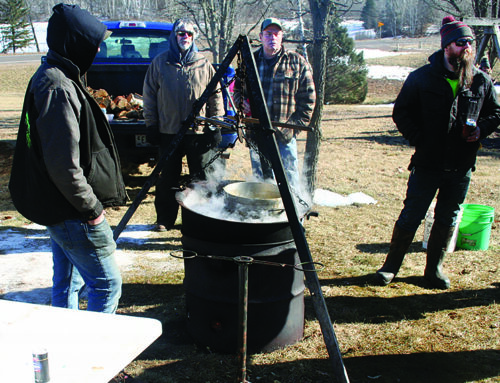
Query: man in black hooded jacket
[(443, 110), (66, 167)]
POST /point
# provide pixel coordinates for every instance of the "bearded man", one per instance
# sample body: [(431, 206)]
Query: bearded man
[(444, 109), (176, 79)]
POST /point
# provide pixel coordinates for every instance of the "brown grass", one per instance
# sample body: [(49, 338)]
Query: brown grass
[(402, 333)]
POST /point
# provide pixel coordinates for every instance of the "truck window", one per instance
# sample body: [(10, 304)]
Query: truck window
[(132, 45)]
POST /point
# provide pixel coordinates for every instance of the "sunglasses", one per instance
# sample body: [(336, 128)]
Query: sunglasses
[(184, 33), (463, 42)]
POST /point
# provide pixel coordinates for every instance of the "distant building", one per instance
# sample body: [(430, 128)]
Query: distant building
[(356, 31)]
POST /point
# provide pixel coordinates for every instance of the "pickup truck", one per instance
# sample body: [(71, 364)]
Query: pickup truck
[(120, 67)]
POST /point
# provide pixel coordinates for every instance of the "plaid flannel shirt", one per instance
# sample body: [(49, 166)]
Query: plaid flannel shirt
[(293, 93)]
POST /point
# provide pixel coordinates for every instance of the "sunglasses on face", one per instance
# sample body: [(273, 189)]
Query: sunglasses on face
[(184, 33), (463, 42)]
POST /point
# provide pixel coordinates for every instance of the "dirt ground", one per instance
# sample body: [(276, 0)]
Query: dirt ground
[(384, 88)]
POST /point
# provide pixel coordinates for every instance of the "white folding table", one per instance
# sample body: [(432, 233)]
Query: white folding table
[(82, 346)]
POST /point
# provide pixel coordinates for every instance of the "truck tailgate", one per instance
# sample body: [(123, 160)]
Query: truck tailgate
[(130, 136)]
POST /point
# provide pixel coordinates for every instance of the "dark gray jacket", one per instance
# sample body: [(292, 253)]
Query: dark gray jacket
[(66, 165), (431, 118)]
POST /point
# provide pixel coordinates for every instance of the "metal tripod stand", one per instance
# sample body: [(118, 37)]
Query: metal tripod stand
[(266, 140)]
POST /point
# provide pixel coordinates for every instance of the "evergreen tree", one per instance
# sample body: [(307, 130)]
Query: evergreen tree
[(369, 15), (16, 31), (346, 72)]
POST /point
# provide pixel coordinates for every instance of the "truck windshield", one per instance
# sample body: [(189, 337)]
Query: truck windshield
[(132, 46)]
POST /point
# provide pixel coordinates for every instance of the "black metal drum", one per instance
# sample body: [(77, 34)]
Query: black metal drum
[(275, 294)]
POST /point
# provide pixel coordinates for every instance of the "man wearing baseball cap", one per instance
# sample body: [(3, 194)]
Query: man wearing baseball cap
[(444, 109), (289, 92)]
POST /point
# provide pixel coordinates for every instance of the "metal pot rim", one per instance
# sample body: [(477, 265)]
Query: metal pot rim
[(254, 192)]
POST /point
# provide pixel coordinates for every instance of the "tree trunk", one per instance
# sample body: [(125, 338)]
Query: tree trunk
[(320, 10), (34, 35)]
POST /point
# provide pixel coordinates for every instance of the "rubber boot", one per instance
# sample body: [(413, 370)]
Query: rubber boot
[(436, 250), (400, 243)]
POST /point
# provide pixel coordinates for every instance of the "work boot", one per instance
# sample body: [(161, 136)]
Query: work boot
[(400, 242), (436, 250)]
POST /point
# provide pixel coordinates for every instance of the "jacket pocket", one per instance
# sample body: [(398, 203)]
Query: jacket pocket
[(102, 176)]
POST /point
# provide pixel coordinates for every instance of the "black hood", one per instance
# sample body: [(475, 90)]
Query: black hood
[(75, 34)]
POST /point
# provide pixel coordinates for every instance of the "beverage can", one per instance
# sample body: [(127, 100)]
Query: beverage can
[(471, 122), (469, 127), (41, 365)]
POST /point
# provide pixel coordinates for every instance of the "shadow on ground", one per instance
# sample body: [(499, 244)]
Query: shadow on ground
[(348, 309), (383, 248), (176, 356), (181, 354), (394, 138), (438, 367)]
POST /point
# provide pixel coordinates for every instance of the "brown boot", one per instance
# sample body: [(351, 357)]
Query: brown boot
[(400, 242), (436, 250)]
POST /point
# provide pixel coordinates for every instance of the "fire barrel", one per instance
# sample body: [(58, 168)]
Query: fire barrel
[(275, 316)]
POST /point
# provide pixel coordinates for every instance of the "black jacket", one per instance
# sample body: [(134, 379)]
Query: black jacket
[(65, 165), (431, 118)]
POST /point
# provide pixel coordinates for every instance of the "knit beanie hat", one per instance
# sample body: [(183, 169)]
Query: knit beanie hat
[(452, 30)]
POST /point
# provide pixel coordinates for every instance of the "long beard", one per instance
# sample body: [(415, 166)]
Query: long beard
[(464, 67)]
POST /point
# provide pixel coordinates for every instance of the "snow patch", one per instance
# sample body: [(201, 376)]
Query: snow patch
[(26, 260), (389, 72), (328, 198)]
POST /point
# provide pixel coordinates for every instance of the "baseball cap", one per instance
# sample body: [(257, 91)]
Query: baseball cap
[(270, 21)]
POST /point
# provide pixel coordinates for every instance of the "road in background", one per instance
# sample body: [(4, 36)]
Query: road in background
[(400, 44), (24, 58)]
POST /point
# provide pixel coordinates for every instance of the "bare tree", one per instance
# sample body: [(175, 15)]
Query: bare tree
[(321, 11), (216, 20), (112, 9), (457, 8)]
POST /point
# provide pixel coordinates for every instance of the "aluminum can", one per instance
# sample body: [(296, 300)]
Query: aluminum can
[(41, 366)]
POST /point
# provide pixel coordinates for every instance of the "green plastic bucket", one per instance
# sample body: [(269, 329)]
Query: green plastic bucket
[(475, 227)]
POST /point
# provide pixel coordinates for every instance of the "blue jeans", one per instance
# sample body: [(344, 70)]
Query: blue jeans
[(423, 184), (289, 158), (84, 254)]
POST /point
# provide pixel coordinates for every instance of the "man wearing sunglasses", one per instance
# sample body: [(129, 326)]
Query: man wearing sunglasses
[(444, 109), (175, 79)]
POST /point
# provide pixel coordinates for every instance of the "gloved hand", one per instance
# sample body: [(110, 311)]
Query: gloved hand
[(285, 135)]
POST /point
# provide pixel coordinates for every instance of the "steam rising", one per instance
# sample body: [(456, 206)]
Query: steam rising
[(207, 198)]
